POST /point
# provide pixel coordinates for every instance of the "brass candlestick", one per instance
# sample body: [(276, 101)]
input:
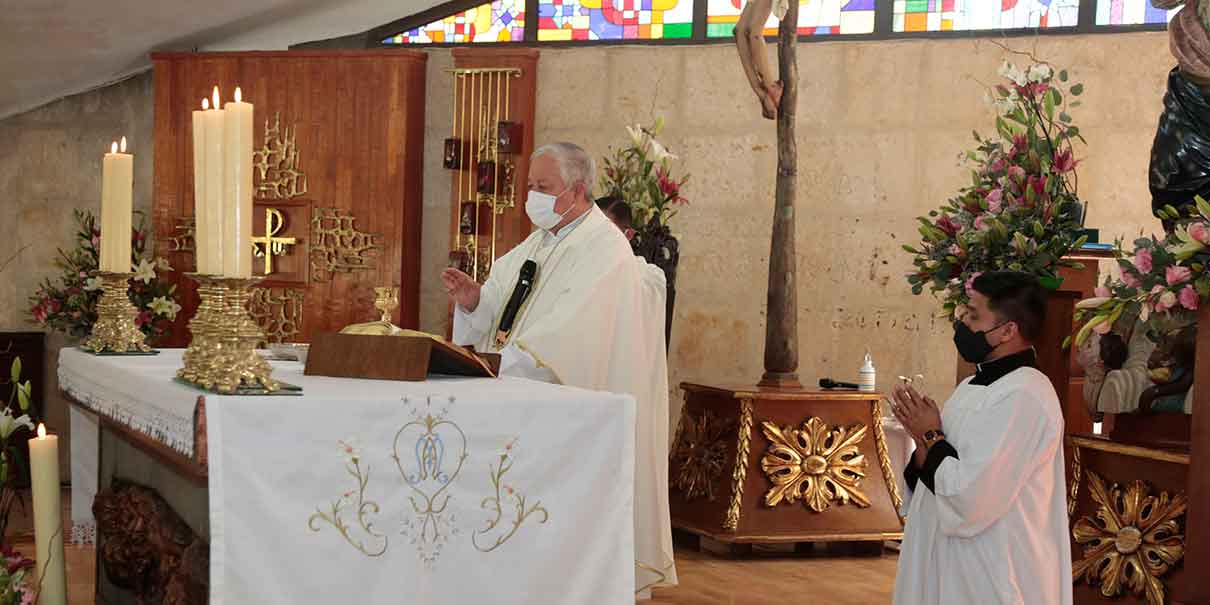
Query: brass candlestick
[(222, 356), (115, 330)]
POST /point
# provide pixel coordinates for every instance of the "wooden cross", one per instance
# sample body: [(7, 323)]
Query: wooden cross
[(273, 246)]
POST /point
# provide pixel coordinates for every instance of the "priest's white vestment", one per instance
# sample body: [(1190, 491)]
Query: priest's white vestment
[(994, 528), (591, 321)]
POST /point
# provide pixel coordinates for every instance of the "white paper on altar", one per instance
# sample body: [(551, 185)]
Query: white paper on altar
[(275, 462)]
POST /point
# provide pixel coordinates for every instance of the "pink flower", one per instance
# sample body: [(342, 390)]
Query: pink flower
[(1064, 162), (1102, 292), (96, 241), (1167, 301), (1020, 143), (997, 165), (1176, 275), (981, 224), (970, 281), (955, 250), (143, 319), (1200, 232), (994, 198), (1130, 280), (1016, 173), (27, 597), (39, 313), (1142, 260), (1189, 298)]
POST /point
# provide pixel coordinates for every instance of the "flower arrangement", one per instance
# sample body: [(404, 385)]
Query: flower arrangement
[(71, 305), (1163, 282), (14, 416), (14, 583), (1021, 211), (640, 173)]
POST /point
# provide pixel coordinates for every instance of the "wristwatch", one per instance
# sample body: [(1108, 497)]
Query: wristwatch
[(933, 436)]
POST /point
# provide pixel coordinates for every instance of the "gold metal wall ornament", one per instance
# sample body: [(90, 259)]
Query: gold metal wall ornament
[(115, 330), (740, 472), (277, 165), (884, 460), (184, 235), (338, 247), (278, 312), (269, 245), (699, 454), (1133, 540), (817, 463), (1073, 489)]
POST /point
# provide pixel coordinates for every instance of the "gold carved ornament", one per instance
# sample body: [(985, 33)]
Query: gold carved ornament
[(740, 472), (184, 235), (884, 460), (338, 247), (277, 165), (1073, 490), (269, 245), (816, 463), (699, 453), (278, 312), (1133, 540)]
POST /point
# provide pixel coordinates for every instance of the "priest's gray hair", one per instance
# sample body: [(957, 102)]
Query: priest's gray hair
[(575, 165)]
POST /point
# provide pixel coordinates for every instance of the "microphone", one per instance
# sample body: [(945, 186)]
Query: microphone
[(525, 283), (828, 383)]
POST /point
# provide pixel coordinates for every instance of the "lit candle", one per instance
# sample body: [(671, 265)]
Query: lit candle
[(117, 187), (48, 516), (213, 247), (201, 230), (237, 189)]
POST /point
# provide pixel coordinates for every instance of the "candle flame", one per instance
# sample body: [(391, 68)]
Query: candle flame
[(215, 96), (205, 103), (238, 95), (123, 147), (41, 431), (113, 148)]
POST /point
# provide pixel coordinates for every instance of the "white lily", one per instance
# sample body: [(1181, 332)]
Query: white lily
[(1040, 72), (637, 136), (145, 271), (162, 305), (93, 283), (8, 424), (1011, 72)]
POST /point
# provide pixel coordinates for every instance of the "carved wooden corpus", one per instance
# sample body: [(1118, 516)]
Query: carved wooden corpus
[(145, 547)]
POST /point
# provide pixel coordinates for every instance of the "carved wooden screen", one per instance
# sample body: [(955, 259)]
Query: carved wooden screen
[(338, 140)]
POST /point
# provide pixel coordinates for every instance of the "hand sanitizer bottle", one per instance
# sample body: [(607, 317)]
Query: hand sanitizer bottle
[(866, 375)]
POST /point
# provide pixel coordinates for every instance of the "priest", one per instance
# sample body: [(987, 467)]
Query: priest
[(584, 323), (987, 510)]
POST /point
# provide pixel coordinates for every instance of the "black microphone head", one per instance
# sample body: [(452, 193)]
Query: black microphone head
[(826, 383), (528, 268)]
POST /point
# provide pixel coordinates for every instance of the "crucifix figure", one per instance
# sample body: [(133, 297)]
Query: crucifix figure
[(750, 38), (273, 246)]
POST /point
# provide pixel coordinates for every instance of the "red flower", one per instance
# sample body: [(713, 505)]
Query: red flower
[(1020, 143), (947, 224), (1064, 162), (143, 319), (670, 188)]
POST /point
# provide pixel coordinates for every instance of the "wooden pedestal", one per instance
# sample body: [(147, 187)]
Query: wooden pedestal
[(1161, 471), (827, 446)]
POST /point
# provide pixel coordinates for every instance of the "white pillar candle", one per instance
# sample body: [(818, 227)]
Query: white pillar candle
[(117, 188), (237, 189), (215, 246), (201, 229), (48, 516)]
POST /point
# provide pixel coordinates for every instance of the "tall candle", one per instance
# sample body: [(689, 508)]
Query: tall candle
[(201, 229), (213, 126), (117, 188), (237, 189), (48, 515)]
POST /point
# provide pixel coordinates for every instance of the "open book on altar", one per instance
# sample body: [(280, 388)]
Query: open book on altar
[(403, 355)]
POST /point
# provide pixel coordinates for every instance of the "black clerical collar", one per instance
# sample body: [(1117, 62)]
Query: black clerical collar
[(995, 370)]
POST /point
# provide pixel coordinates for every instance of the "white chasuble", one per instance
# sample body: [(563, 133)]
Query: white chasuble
[(993, 530), (591, 321)]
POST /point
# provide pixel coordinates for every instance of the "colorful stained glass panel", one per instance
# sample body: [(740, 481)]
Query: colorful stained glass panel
[(815, 17), (499, 21), (1131, 12), (967, 15), (562, 20)]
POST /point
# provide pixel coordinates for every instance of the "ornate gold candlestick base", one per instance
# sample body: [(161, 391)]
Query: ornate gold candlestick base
[(115, 330), (222, 356)]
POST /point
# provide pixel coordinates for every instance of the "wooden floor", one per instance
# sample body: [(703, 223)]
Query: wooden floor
[(825, 576)]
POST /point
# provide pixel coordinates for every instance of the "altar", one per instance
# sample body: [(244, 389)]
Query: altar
[(452, 490)]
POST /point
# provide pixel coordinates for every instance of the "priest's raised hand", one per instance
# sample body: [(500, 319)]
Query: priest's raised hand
[(461, 288)]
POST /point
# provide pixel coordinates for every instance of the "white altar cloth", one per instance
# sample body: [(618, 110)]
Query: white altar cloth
[(429, 465)]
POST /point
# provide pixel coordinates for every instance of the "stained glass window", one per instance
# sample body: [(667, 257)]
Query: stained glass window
[(498, 21), (560, 20), (1131, 12), (965, 15), (815, 17)]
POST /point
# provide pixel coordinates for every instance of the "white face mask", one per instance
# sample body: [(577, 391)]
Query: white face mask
[(541, 209)]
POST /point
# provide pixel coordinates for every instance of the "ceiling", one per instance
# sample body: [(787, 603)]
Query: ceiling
[(53, 48)]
